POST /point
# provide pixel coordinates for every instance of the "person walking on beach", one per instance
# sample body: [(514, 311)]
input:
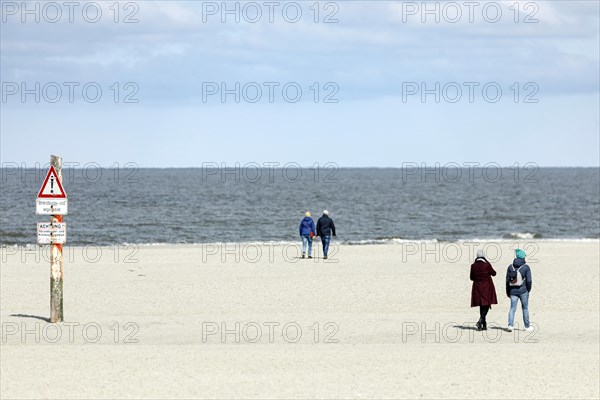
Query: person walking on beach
[(483, 293), (325, 229), (518, 286), (307, 232)]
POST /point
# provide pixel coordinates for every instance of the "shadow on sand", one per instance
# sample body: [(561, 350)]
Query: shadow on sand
[(30, 316), (472, 328), (465, 327)]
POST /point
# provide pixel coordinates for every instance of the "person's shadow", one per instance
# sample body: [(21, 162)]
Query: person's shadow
[(465, 327), (30, 316), (472, 328)]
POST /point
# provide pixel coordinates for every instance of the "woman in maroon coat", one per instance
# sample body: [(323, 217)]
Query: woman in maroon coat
[(483, 293)]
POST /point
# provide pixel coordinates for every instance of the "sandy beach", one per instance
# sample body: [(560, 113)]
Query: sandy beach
[(250, 321)]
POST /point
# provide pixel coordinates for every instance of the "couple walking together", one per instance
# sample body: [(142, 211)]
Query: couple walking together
[(518, 285), (325, 229)]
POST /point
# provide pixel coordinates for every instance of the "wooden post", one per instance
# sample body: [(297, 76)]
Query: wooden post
[(56, 260)]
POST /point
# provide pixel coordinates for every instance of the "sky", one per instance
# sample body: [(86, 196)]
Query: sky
[(354, 83)]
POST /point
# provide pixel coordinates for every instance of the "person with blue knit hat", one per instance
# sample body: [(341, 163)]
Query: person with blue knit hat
[(518, 286)]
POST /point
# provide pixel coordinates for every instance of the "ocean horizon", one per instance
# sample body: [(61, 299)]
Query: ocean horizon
[(369, 205)]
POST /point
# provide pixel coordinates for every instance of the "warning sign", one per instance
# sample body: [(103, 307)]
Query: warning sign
[(51, 199), (52, 188)]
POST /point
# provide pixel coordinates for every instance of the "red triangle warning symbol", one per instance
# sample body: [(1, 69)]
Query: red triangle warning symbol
[(52, 187)]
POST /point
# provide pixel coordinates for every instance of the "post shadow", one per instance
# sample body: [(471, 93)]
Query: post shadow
[(30, 316)]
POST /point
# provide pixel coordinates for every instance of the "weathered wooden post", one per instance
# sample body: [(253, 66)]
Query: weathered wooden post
[(56, 258), (52, 200)]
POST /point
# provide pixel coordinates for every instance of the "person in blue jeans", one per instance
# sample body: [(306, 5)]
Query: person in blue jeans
[(325, 229), (307, 231), (518, 286)]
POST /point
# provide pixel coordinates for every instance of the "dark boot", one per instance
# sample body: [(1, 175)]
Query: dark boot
[(483, 310), (479, 325)]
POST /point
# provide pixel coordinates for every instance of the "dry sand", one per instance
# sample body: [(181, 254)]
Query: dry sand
[(147, 329)]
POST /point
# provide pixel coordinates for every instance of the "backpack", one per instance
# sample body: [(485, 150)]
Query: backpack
[(518, 279)]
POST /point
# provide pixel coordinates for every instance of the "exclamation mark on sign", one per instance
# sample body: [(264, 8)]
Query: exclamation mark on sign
[(52, 184)]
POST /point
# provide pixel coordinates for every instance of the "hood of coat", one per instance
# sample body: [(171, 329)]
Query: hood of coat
[(518, 262), (480, 260)]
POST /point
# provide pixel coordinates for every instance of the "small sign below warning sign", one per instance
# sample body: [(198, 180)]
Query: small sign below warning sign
[(51, 206), (48, 233)]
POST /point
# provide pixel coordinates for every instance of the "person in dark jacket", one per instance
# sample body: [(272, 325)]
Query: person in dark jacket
[(307, 231), (483, 293), (325, 229), (516, 291)]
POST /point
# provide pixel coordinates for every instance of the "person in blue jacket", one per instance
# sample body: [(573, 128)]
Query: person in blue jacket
[(518, 286), (307, 232)]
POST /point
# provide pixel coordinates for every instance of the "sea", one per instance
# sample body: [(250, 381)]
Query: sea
[(125, 204)]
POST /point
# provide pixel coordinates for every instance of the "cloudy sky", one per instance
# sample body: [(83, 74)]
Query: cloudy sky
[(356, 83)]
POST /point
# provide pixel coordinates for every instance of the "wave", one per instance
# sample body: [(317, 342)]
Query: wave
[(522, 235), (392, 240), (365, 242)]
